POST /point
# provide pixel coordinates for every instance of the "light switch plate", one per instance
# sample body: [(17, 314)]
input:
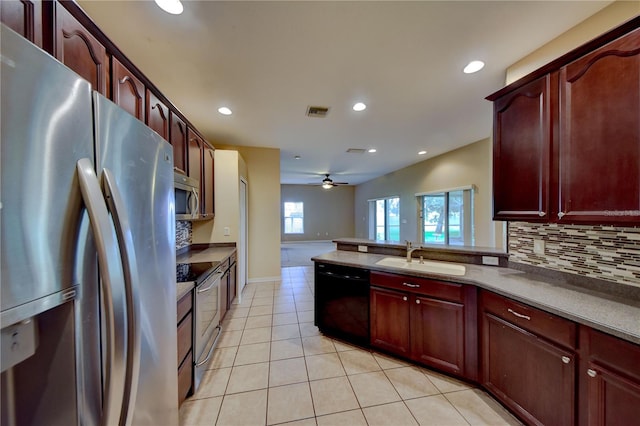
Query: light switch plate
[(363, 249), (538, 246), (227, 231)]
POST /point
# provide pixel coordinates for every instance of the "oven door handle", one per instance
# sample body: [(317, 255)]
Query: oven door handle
[(202, 290), (213, 345)]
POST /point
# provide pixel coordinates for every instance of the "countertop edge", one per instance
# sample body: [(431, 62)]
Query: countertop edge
[(607, 313)]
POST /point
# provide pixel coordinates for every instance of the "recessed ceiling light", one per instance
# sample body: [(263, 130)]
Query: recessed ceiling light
[(225, 111), (173, 7), (422, 152), (473, 66), (372, 150), (359, 106)]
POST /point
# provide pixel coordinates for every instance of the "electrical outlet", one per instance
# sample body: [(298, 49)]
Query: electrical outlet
[(227, 231), (363, 249), (491, 260), (538, 246)]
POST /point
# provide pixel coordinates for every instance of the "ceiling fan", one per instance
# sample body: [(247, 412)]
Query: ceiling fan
[(328, 183)]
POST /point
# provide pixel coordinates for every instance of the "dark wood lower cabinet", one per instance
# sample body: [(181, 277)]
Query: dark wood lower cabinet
[(609, 380), (531, 376), (390, 321)]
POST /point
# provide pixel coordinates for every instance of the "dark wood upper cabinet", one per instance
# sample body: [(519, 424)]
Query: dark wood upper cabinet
[(521, 153), (599, 135), (128, 91), (195, 146), (567, 140), (24, 17), (208, 192), (78, 49), (157, 115), (178, 139)]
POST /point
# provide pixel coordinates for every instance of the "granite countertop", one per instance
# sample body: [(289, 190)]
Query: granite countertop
[(435, 247), (209, 254), (610, 314)]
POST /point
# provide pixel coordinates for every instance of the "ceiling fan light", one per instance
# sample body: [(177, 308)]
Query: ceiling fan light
[(173, 7), (327, 185)]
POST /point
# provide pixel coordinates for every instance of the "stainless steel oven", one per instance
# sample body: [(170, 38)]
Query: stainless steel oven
[(207, 323), (206, 315)]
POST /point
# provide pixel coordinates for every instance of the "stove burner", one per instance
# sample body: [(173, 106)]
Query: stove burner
[(194, 271)]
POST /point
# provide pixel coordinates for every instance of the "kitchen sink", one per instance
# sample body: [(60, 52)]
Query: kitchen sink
[(427, 266)]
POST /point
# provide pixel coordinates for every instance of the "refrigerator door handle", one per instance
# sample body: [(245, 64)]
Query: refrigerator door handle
[(116, 206), (113, 292)]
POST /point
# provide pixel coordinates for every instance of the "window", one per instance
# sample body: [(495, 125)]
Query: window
[(447, 217), (293, 217), (384, 215)]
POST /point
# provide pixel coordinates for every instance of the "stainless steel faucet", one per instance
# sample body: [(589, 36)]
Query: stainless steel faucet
[(411, 249)]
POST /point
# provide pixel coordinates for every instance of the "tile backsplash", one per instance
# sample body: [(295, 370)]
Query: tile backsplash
[(603, 252), (183, 234)]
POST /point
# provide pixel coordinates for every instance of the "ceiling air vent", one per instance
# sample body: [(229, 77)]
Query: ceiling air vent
[(317, 111), (356, 151)]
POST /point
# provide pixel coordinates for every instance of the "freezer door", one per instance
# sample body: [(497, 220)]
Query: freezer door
[(46, 127), (139, 165)]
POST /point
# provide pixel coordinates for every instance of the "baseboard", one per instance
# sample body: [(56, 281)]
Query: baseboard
[(264, 279)]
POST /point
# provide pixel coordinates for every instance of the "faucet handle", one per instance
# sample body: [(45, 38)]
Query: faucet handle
[(408, 243)]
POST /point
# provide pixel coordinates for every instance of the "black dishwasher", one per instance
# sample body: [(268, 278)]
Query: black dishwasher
[(342, 302)]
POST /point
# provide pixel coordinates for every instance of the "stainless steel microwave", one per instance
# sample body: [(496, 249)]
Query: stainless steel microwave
[(187, 197)]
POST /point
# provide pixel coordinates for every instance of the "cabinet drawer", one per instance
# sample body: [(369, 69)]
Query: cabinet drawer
[(547, 325), (185, 374), (184, 306), (185, 330), (437, 289)]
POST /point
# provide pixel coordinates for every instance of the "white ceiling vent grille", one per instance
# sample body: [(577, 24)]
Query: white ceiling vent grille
[(356, 151), (317, 111)]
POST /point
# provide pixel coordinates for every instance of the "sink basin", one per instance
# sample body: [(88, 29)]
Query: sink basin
[(427, 266)]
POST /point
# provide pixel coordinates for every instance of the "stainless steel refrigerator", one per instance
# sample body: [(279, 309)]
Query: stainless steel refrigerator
[(87, 234)]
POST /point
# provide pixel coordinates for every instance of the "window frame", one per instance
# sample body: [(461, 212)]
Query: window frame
[(467, 221), (291, 218), (373, 218)]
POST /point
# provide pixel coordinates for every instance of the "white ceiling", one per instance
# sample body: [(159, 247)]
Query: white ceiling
[(268, 61)]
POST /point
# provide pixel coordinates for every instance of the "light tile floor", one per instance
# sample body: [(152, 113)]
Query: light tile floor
[(272, 366)]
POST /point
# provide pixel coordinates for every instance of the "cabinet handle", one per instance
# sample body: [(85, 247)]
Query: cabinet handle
[(542, 214), (561, 215), (566, 359), (592, 373), (404, 298), (411, 285), (527, 317)]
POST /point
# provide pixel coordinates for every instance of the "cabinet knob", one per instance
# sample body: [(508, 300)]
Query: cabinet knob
[(417, 301), (561, 215), (566, 359), (404, 298), (542, 214), (592, 373)]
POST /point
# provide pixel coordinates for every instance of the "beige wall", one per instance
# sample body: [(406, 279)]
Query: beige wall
[(328, 213), (263, 175), (469, 165), (608, 18)]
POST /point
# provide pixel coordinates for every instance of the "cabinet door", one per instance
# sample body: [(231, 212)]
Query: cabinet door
[(437, 333), (208, 193), (224, 295), (178, 135), (599, 135), (613, 399), (390, 321), (521, 153), (79, 50), (533, 378), (23, 17), (128, 91), (233, 271), (157, 115), (195, 146)]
